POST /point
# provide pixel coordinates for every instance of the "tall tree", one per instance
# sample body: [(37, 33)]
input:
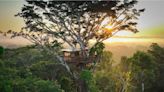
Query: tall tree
[(157, 52), (143, 72), (51, 24)]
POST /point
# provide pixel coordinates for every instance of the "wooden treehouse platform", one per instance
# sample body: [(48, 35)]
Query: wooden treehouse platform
[(75, 57)]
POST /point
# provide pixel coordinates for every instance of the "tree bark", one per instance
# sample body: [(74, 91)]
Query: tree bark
[(82, 86)]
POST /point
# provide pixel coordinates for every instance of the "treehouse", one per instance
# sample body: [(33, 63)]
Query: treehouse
[(75, 57)]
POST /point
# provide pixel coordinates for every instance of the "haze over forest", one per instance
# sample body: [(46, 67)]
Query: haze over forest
[(150, 24)]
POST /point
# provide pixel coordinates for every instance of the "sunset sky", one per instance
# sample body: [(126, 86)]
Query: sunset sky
[(150, 23)]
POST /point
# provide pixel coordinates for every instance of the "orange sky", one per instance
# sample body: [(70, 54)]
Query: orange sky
[(150, 24)]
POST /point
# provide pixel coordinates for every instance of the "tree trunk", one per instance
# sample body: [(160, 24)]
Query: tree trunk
[(82, 86)]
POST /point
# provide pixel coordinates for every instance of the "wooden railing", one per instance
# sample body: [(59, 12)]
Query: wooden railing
[(78, 59)]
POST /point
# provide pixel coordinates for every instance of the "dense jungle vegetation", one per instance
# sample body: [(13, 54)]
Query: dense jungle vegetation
[(26, 69)]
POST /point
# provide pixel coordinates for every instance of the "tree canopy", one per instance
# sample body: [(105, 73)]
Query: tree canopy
[(52, 24)]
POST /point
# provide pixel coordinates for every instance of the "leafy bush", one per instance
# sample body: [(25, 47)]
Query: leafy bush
[(1, 50), (32, 84)]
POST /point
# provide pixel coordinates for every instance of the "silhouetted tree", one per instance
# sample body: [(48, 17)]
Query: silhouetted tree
[(50, 24)]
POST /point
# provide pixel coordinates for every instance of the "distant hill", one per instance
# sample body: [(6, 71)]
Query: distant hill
[(13, 43), (120, 49), (125, 47)]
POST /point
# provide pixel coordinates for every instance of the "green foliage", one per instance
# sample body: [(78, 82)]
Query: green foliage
[(105, 83), (52, 71), (47, 86), (86, 75), (6, 72), (157, 52), (17, 74), (97, 48), (67, 84), (143, 60), (104, 74), (128, 75), (43, 75), (106, 60), (43, 69), (32, 84), (143, 69), (19, 79), (5, 86), (158, 55), (1, 50), (26, 56)]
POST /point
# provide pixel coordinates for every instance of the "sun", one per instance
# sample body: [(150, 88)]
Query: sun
[(108, 27)]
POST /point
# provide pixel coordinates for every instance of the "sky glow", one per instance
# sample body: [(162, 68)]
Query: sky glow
[(152, 17)]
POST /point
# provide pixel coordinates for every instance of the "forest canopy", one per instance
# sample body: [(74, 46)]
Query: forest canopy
[(26, 69)]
